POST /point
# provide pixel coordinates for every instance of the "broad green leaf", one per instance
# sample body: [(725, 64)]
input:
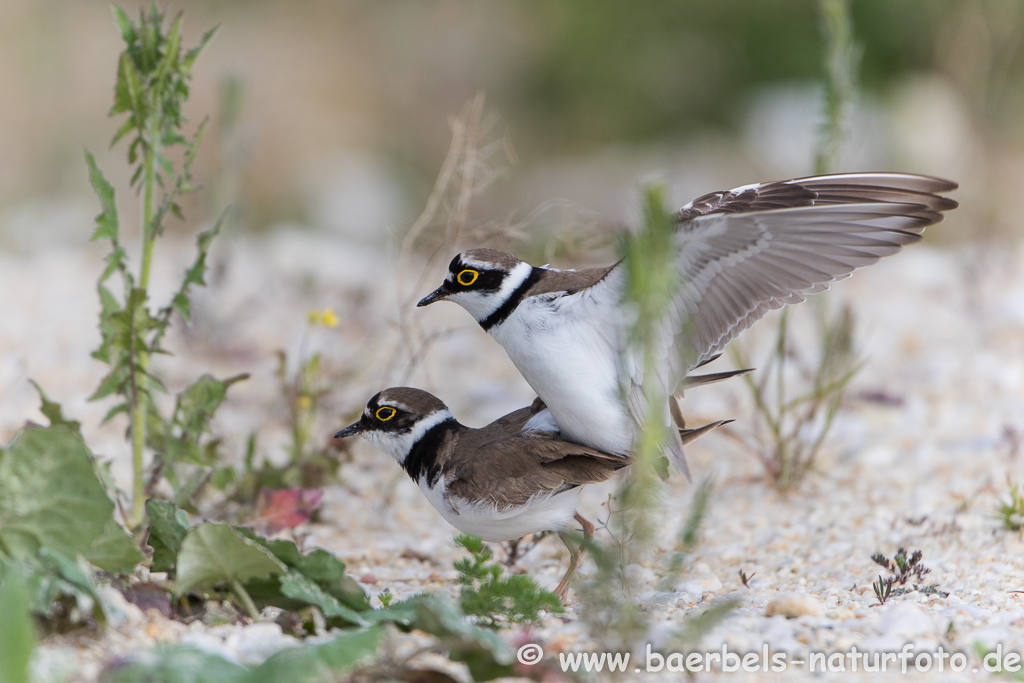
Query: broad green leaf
[(298, 587), (50, 496), (319, 566), (176, 665), (17, 634), (168, 527), (215, 553), (106, 221), (307, 663), (321, 662), (114, 550)]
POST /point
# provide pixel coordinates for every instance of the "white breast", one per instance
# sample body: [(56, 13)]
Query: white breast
[(571, 360), (548, 512)]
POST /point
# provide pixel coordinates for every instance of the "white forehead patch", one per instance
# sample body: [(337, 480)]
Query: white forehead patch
[(483, 265)]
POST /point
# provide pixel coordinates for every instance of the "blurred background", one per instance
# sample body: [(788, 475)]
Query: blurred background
[(335, 115), (331, 121)]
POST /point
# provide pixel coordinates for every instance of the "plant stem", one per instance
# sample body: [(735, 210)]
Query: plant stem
[(139, 394), (243, 597)]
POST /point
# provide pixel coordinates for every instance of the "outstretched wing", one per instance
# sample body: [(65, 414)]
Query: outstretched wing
[(755, 248)]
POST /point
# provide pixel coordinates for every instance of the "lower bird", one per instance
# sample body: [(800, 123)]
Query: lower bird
[(498, 482)]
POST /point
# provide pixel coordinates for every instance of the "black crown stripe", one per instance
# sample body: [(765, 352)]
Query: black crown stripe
[(505, 310)]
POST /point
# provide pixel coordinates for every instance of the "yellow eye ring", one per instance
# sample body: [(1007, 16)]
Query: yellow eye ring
[(383, 415), (469, 275)]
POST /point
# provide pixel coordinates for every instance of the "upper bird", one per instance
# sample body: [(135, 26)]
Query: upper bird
[(741, 253)]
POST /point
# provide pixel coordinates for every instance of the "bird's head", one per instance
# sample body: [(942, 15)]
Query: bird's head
[(480, 280), (395, 419)]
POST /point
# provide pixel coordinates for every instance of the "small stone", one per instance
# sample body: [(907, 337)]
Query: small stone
[(907, 621), (256, 642), (794, 605), (368, 578)]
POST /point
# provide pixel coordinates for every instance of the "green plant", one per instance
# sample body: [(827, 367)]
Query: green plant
[(308, 465), (497, 600), (152, 85), (797, 427), (17, 633), (651, 282), (1011, 512), (842, 61), (903, 567), (689, 535), (54, 509)]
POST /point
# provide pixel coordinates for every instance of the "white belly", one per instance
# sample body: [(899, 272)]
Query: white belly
[(574, 371), (541, 513)]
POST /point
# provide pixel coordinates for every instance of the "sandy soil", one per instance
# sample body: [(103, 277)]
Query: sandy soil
[(918, 458)]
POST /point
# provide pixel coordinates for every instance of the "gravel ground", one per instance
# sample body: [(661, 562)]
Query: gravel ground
[(919, 456)]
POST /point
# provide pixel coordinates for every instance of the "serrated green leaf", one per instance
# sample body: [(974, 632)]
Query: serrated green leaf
[(50, 496), (128, 93), (199, 401), (111, 383), (53, 411), (216, 553), (190, 56), (114, 412), (171, 47), (114, 550), (106, 221), (125, 24), (17, 633), (168, 527)]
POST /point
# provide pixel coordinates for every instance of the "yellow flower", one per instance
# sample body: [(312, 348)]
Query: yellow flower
[(305, 402), (326, 317)]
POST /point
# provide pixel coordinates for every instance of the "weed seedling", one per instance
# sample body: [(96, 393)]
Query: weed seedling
[(1011, 512), (903, 568), (883, 589), (746, 579), (495, 600)]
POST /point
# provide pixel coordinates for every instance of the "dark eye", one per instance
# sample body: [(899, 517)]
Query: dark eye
[(467, 277), (385, 413)]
